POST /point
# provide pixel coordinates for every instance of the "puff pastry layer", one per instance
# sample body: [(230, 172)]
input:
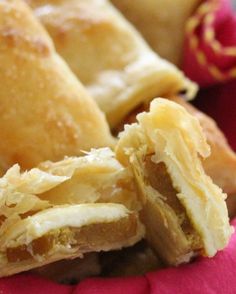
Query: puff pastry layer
[(65, 209)]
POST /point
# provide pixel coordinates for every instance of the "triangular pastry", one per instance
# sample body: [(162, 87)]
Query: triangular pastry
[(108, 55), (45, 112)]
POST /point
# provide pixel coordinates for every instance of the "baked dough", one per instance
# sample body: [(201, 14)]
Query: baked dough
[(45, 112), (161, 22), (108, 55), (221, 164), (66, 232), (95, 177), (36, 228), (184, 212)]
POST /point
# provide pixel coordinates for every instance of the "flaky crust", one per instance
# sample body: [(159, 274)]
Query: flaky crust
[(65, 209), (108, 55), (96, 177), (221, 164), (173, 137), (45, 112), (161, 22)]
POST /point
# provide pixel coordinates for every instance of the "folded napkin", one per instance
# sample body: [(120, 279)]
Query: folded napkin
[(210, 60), (210, 47)]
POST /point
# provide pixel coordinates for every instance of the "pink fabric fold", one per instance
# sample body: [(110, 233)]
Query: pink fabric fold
[(210, 47)]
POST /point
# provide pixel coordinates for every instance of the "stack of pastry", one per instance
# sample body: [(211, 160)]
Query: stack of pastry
[(69, 188)]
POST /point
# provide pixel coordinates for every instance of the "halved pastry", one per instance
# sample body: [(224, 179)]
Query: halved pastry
[(108, 55), (45, 112), (95, 177), (161, 22), (220, 165), (184, 212), (66, 232), (65, 209)]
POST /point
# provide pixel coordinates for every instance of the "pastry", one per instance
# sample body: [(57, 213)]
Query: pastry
[(45, 112), (35, 229), (161, 22), (108, 55), (184, 212), (221, 164), (66, 232), (95, 177)]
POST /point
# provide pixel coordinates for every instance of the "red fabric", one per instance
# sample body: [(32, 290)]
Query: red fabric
[(209, 59), (210, 47), (220, 103)]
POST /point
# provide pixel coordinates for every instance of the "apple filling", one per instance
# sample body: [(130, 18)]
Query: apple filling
[(94, 237), (160, 180)]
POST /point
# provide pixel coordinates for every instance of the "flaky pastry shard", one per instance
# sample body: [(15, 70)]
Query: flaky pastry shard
[(184, 212), (96, 210), (221, 164), (108, 55), (95, 177), (45, 113), (161, 22)]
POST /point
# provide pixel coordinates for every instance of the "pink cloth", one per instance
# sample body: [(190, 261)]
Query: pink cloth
[(210, 47), (210, 59)]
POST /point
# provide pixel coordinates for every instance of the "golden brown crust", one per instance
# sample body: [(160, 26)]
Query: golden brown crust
[(108, 55), (161, 22), (45, 112)]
